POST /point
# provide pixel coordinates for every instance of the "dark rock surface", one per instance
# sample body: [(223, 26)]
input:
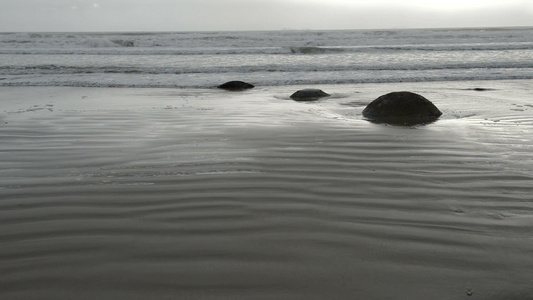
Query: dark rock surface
[(480, 89), (309, 95), (236, 86), (401, 108)]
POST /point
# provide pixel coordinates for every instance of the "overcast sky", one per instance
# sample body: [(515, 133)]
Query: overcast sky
[(192, 15)]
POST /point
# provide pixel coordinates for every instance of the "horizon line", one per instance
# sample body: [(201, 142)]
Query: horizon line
[(283, 29)]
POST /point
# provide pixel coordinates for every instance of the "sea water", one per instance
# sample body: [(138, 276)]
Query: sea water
[(267, 58)]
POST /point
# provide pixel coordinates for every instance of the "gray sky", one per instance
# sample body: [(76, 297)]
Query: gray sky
[(190, 15)]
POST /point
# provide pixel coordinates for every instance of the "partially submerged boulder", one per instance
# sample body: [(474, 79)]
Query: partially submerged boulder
[(402, 108), (309, 95), (235, 86), (478, 89)]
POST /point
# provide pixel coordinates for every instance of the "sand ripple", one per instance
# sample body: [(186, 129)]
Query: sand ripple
[(216, 204)]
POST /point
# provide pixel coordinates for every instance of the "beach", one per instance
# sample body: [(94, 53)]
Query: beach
[(200, 193)]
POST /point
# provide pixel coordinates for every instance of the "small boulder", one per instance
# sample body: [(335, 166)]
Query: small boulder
[(480, 89), (309, 95), (236, 86), (401, 108)]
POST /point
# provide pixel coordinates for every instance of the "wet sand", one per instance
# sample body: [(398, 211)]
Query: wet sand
[(208, 194)]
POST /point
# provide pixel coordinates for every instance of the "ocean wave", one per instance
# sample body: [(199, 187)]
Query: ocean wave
[(201, 59), (211, 80), (107, 43), (272, 42), (55, 69), (436, 47), (129, 47)]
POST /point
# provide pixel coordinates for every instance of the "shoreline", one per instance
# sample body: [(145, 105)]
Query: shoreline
[(344, 97), (215, 81)]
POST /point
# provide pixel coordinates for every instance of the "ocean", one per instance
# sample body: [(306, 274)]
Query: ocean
[(126, 174), (267, 58)]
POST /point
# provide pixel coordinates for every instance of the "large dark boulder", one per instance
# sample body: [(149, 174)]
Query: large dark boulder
[(235, 86), (401, 108), (309, 95)]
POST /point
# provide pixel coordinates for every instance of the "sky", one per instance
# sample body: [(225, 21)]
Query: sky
[(215, 15)]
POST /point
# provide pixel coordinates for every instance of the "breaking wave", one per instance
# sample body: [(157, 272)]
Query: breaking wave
[(202, 59)]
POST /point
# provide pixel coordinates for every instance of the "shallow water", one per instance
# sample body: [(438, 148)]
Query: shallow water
[(200, 194)]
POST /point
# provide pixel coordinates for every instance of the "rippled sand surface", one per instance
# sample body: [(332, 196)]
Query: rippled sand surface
[(207, 194)]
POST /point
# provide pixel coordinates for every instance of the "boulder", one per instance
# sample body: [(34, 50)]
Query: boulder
[(401, 108), (480, 89), (309, 95), (235, 86)]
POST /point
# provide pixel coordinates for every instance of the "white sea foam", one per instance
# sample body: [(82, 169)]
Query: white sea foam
[(201, 59), (100, 43)]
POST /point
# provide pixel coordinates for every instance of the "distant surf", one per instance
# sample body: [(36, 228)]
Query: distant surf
[(270, 58)]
